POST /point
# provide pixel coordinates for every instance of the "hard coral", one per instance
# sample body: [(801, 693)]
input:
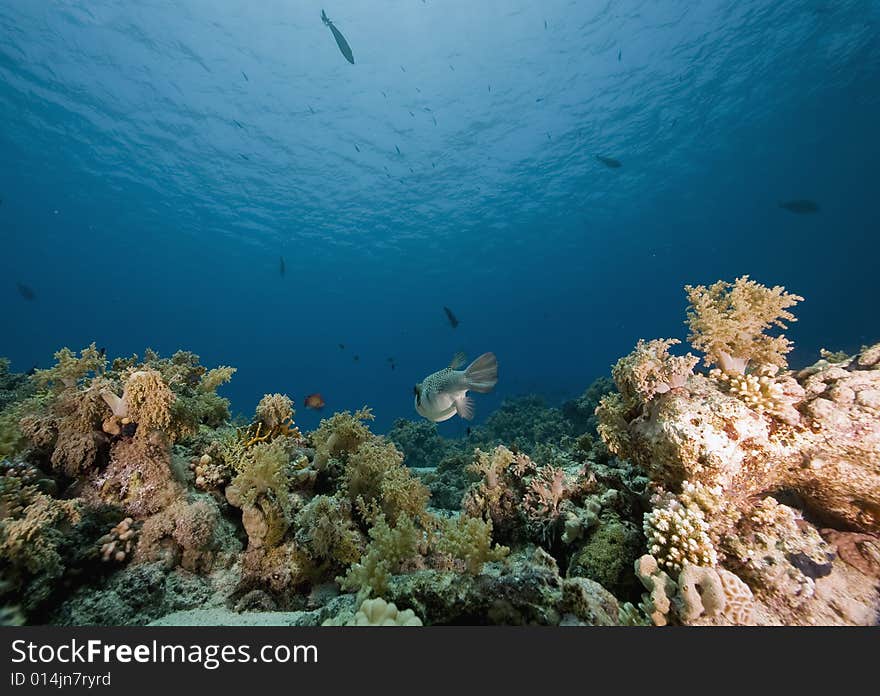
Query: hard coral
[(700, 595), (119, 542), (728, 322), (378, 612), (678, 532)]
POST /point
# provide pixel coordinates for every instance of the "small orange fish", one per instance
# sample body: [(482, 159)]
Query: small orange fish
[(315, 401)]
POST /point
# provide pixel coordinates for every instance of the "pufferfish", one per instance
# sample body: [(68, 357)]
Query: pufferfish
[(443, 394)]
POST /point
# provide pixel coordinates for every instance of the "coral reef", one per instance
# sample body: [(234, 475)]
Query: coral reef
[(746, 495), (747, 468)]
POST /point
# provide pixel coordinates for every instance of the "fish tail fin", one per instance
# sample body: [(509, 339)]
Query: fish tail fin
[(482, 373)]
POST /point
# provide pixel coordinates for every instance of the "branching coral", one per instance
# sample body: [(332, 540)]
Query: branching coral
[(763, 393), (678, 531), (728, 322)]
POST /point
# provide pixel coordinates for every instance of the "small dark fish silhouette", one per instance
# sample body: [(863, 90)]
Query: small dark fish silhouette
[(435, 120), (433, 166), (801, 206), (32, 371), (452, 68), (609, 162), (244, 75), (356, 358), (402, 69), (281, 266), (488, 88), (469, 427), (341, 346), (311, 109), (539, 99), (412, 114), (411, 171), (619, 53), (244, 157), (340, 39), (237, 124), (357, 148), (545, 26), (418, 90), (102, 351), (398, 150), (384, 95), (449, 315), (26, 292)]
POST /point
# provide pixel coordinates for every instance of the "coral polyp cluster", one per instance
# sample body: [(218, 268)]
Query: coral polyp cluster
[(745, 494)]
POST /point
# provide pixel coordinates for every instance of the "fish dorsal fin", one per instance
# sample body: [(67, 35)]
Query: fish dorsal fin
[(457, 360)]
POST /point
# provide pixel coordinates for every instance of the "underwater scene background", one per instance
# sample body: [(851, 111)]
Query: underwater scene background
[(159, 160), (538, 180)]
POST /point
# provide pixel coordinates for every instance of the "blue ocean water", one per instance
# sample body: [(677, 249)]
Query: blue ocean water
[(158, 160)]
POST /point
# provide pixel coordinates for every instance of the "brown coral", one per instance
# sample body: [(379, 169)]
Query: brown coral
[(728, 321), (650, 370)]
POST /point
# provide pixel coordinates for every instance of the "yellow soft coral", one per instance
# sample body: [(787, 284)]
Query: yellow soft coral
[(148, 400), (728, 321), (469, 539), (376, 479), (70, 368), (212, 379), (340, 435), (650, 370)]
